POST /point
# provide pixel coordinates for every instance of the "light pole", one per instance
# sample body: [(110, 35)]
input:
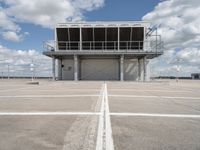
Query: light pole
[(177, 69), (8, 71)]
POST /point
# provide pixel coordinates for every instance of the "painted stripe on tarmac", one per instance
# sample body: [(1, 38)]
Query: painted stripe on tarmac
[(104, 137), (48, 96), (46, 113), (150, 96), (109, 138), (100, 133), (155, 115), (175, 91)]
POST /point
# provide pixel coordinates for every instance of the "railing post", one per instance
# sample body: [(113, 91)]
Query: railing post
[(122, 68)]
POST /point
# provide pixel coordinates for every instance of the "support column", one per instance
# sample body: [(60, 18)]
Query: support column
[(53, 69), (139, 69), (75, 68), (122, 68), (145, 68), (80, 41), (59, 69)]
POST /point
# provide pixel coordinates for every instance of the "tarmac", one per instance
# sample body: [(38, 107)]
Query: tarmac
[(99, 115)]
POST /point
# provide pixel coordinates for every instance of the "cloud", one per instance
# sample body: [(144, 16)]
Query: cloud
[(12, 36), (47, 13), (178, 22), (19, 62), (7, 23)]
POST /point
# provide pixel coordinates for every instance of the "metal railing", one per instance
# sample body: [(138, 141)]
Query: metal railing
[(150, 45)]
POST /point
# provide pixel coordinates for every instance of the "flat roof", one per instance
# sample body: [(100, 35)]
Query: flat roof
[(104, 24)]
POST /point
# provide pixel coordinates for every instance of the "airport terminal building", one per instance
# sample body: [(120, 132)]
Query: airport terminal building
[(103, 50)]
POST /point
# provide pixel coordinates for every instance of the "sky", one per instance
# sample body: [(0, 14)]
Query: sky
[(25, 25)]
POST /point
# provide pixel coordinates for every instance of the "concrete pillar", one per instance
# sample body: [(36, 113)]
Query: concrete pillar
[(80, 41), (145, 68), (75, 68), (53, 69), (122, 68), (139, 69), (59, 69)]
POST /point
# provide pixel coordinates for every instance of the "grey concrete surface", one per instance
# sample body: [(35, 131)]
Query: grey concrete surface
[(47, 132), (31, 104), (79, 132), (141, 133), (154, 105)]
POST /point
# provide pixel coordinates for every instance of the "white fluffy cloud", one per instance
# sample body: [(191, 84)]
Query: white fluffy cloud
[(45, 13), (178, 22), (48, 13), (19, 62), (12, 36)]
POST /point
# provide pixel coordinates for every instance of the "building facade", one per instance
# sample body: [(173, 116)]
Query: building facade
[(195, 76), (103, 50)]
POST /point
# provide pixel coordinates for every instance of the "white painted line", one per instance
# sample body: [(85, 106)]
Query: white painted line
[(133, 96), (175, 91), (155, 115), (171, 97), (62, 90), (99, 143), (104, 137), (48, 96), (150, 96), (46, 113), (109, 138)]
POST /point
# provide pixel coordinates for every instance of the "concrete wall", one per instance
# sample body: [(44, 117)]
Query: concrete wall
[(148, 70), (68, 69), (102, 69), (131, 69), (99, 69)]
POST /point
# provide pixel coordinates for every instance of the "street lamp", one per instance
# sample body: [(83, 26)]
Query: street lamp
[(32, 70)]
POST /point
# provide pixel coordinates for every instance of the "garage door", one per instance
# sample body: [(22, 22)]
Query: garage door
[(99, 69)]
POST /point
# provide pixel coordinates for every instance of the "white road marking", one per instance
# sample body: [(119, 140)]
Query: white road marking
[(171, 97), (150, 96), (104, 137), (155, 115), (174, 91), (98, 114), (48, 96), (62, 90), (99, 145), (109, 138), (111, 95), (46, 113)]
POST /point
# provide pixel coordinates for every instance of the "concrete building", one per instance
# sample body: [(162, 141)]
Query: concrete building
[(103, 50), (195, 76)]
